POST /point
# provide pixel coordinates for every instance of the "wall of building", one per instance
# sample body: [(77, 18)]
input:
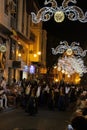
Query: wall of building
[(15, 29)]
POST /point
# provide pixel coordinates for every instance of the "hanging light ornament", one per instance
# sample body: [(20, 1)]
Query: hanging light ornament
[(72, 12), (71, 65), (71, 61), (74, 48)]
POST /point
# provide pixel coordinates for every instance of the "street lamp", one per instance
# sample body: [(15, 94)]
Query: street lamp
[(38, 53), (19, 54)]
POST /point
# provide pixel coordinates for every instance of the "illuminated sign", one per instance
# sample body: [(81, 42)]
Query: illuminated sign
[(32, 69), (25, 68)]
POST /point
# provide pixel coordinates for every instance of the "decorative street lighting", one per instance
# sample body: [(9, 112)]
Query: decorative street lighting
[(71, 61), (72, 12)]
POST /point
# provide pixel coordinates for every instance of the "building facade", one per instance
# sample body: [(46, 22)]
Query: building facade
[(22, 40)]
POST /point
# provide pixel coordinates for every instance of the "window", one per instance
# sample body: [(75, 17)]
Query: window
[(6, 6), (12, 50)]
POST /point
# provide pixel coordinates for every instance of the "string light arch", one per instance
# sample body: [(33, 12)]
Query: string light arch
[(73, 12)]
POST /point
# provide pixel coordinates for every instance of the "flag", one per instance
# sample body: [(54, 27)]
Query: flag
[(14, 33)]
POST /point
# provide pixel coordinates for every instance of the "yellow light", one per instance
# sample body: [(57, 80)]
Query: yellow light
[(55, 67), (19, 54), (63, 71), (59, 68), (35, 55), (69, 52), (59, 16), (77, 80), (56, 80), (39, 53), (66, 72), (19, 42), (68, 76)]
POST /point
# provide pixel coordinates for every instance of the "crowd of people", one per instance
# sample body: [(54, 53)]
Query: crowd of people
[(79, 117), (31, 95)]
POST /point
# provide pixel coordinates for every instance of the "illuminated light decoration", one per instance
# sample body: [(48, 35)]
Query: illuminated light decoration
[(77, 79), (68, 76), (71, 62), (59, 16), (72, 12), (73, 48), (59, 68), (71, 65), (69, 52), (2, 48), (55, 67), (63, 71)]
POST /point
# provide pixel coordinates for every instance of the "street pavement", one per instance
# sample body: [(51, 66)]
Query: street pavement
[(18, 119)]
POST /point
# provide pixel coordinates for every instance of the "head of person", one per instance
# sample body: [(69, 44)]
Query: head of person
[(79, 123)]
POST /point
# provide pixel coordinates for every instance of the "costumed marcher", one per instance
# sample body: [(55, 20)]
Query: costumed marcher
[(31, 106)]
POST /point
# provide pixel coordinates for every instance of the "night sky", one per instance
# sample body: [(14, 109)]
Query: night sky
[(67, 30)]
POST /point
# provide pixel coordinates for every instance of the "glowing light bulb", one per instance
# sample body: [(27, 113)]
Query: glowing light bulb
[(39, 53), (59, 68), (35, 55), (59, 16), (63, 71)]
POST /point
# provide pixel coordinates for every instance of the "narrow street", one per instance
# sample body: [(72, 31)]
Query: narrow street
[(17, 119)]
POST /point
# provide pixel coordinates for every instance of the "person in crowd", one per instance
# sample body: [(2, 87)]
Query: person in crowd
[(51, 102), (79, 123), (61, 101), (67, 89), (27, 92), (38, 94), (31, 107), (56, 95), (3, 84), (3, 98)]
